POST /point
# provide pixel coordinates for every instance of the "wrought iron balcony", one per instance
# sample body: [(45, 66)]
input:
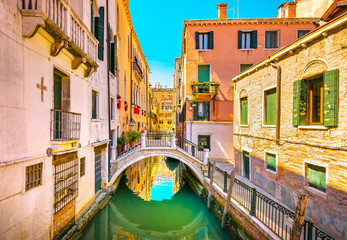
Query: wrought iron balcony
[(137, 71), (65, 125), (59, 20), (205, 88)]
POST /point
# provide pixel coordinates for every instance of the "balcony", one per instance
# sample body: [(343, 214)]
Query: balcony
[(65, 126), (59, 20), (137, 71), (205, 88)]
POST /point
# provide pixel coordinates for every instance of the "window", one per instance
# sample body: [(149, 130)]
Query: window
[(201, 111), (244, 111), (314, 104), (247, 39), (99, 32), (271, 39), (246, 164), (244, 66), (270, 107), (271, 162), (203, 76), (95, 101), (82, 166), (204, 142), (112, 109), (204, 40), (316, 177), (302, 33), (33, 176)]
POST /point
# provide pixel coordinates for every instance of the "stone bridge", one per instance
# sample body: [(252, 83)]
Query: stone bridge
[(162, 144)]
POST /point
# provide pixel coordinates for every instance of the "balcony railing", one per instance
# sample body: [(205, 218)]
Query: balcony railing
[(59, 19), (137, 70), (205, 88), (65, 125)]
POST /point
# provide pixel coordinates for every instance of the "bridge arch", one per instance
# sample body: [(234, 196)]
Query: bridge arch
[(141, 154)]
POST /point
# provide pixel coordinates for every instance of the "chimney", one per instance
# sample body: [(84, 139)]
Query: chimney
[(165, 86), (222, 10)]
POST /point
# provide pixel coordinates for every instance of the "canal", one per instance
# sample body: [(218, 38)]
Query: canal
[(153, 202)]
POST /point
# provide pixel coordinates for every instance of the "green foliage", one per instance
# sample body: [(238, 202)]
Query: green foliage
[(205, 84), (121, 140), (131, 136)]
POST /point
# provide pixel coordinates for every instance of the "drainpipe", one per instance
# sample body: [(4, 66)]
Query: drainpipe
[(131, 77), (108, 89), (278, 101)]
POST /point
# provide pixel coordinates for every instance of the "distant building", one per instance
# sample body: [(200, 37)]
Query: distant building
[(178, 92), (290, 123), (165, 99), (212, 52)]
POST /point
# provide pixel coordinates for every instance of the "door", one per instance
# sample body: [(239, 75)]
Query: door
[(57, 115), (246, 164), (97, 170)]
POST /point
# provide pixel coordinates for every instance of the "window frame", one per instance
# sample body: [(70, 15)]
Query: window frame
[(278, 39), (242, 162), (209, 141), (309, 105), (96, 104), (264, 122), (244, 40), (251, 64), (82, 168), (208, 113), (300, 30), (113, 110), (311, 189)]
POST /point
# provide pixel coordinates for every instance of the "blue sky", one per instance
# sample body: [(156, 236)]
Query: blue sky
[(158, 25)]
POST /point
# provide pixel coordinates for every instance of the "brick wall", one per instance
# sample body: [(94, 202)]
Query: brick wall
[(63, 219), (324, 146)]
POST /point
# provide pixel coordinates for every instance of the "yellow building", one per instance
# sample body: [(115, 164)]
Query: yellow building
[(132, 74), (153, 109), (165, 99)]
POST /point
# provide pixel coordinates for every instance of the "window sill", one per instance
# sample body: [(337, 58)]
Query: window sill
[(313, 127), (271, 48), (247, 49), (243, 125), (316, 192), (270, 171), (96, 120), (203, 50), (268, 126)]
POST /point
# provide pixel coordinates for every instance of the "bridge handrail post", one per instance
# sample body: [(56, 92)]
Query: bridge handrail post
[(206, 151), (143, 139), (173, 140)]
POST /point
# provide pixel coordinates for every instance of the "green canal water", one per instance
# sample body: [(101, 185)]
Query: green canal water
[(153, 202)]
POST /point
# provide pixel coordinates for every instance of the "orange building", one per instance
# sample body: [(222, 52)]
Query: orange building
[(164, 98), (212, 52)]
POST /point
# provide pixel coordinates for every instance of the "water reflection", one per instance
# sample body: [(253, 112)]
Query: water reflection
[(153, 203), (155, 179)]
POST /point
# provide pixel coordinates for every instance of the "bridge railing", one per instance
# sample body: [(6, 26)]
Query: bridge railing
[(190, 148), (158, 139), (128, 147), (274, 215)]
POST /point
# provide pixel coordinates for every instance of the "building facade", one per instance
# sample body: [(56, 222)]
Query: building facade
[(212, 52), (165, 99), (290, 124), (59, 114), (178, 92)]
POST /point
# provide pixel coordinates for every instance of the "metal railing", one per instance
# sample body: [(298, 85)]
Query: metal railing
[(206, 88), (128, 147), (158, 139), (137, 69), (65, 125), (276, 217), (190, 147)]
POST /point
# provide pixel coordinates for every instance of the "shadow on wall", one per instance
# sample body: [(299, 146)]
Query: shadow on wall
[(326, 210)]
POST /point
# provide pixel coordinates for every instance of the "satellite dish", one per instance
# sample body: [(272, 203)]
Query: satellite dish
[(49, 152)]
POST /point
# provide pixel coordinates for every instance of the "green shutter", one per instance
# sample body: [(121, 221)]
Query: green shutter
[(299, 102), (210, 40), (317, 177), (244, 111), (271, 161), (203, 75), (240, 39), (270, 116), (112, 57), (254, 40), (331, 98), (99, 32), (197, 40), (195, 111)]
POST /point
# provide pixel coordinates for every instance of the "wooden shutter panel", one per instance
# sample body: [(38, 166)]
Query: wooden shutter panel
[(299, 102), (240, 40), (244, 111), (331, 98), (254, 39), (195, 111), (296, 102), (112, 57), (210, 40), (197, 40), (99, 32)]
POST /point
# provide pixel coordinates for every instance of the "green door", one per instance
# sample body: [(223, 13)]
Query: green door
[(97, 170), (246, 164), (203, 75), (57, 125)]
